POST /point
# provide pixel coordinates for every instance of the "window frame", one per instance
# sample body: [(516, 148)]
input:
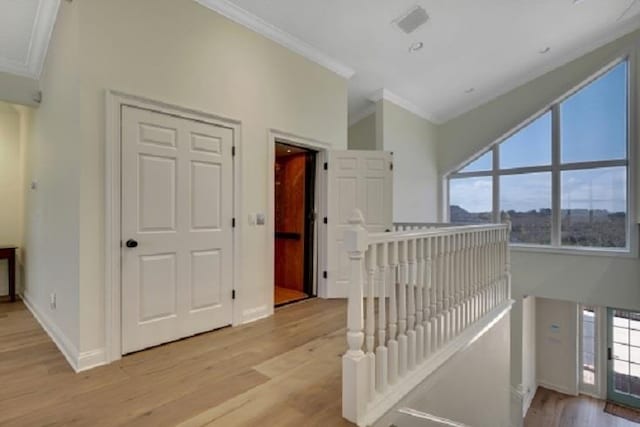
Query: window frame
[(557, 167)]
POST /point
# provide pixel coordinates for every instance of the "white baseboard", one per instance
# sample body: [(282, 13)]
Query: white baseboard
[(516, 419), (528, 398), (91, 359), (66, 347), (257, 313), (559, 389)]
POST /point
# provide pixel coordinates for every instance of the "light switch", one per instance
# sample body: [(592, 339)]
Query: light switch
[(260, 220)]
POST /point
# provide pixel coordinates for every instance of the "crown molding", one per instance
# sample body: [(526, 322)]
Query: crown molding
[(235, 13), (38, 44), (365, 112), (387, 95)]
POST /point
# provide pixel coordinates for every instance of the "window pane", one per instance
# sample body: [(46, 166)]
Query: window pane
[(594, 121), (471, 200), (588, 346), (481, 164), (527, 200), (594, 207), (531, 146)]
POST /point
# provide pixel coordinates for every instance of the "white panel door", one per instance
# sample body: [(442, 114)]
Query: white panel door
[(356, 179), (177, 208)]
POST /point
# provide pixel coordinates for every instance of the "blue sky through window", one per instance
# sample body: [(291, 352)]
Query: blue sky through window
[(593, 127)]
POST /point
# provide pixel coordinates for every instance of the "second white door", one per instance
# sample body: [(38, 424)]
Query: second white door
[(177, 241), (356, 180)]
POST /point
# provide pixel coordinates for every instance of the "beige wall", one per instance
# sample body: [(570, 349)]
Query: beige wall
[(557, 345), (52, 216), (413, 142), (180, 53), (362, 134)]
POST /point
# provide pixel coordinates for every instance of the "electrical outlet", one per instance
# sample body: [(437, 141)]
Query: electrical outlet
[(52, 301)]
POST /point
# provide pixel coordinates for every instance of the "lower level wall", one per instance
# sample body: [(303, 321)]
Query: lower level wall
[(557, 345), (472, 388)]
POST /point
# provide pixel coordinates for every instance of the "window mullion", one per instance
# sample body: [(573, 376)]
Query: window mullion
[(496, 185), (556, 201)]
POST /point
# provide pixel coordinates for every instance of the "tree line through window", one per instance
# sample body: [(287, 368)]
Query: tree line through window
[(562, 177)]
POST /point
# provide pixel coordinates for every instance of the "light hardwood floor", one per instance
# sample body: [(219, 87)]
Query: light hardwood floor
[(553, 409), (281, 371)]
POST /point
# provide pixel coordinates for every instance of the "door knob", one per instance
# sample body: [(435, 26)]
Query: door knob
[(131, 243)]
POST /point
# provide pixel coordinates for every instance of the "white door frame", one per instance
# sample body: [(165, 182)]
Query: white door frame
[(113, 302), (320, 202)]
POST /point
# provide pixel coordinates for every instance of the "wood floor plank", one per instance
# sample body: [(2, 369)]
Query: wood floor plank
[(287, 368), (552, 409)]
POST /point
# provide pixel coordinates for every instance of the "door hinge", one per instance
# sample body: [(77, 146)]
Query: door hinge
[(233, 294), (326, 166), (391, 166), (609, 355), (324, 274), (233, 223), (325, 220), (233, 151)]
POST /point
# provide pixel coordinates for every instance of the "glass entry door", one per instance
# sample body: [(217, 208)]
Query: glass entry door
[(623, 376)]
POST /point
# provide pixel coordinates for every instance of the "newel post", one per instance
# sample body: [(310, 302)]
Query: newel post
[(355, 373)]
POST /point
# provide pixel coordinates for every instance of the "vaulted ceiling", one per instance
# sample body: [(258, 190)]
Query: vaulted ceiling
[(472, 51)]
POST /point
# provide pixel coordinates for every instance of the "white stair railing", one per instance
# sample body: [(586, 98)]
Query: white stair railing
[(431, 286)]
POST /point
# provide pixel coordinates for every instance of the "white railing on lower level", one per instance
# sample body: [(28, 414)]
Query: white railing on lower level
[(424, 289)]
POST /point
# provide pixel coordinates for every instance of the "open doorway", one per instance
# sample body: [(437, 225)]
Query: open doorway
[(295, 184)]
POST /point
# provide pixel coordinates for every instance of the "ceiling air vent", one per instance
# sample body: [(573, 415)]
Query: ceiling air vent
[(412, 20)]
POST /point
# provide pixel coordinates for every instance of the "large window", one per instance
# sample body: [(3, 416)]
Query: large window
[(562, 177)]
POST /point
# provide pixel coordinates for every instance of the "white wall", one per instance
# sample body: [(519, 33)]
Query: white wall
[(10, 185), (181, 53), (557, 345), (51, 221), (471, 388), (412, 140), (362, 134)]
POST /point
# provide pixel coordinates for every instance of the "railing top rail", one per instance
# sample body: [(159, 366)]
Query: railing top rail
[(433, 232)]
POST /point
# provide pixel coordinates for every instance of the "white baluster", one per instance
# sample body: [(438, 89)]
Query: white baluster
[(456, 282), (382, 355), (429, 305), (441, 292), (411, 305), (447, 288), (403, 341), (420, 300), (393, 315), (354, 362), (371, 259)]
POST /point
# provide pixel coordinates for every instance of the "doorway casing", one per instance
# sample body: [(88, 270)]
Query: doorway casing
[(321, 193), (114, 102)]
